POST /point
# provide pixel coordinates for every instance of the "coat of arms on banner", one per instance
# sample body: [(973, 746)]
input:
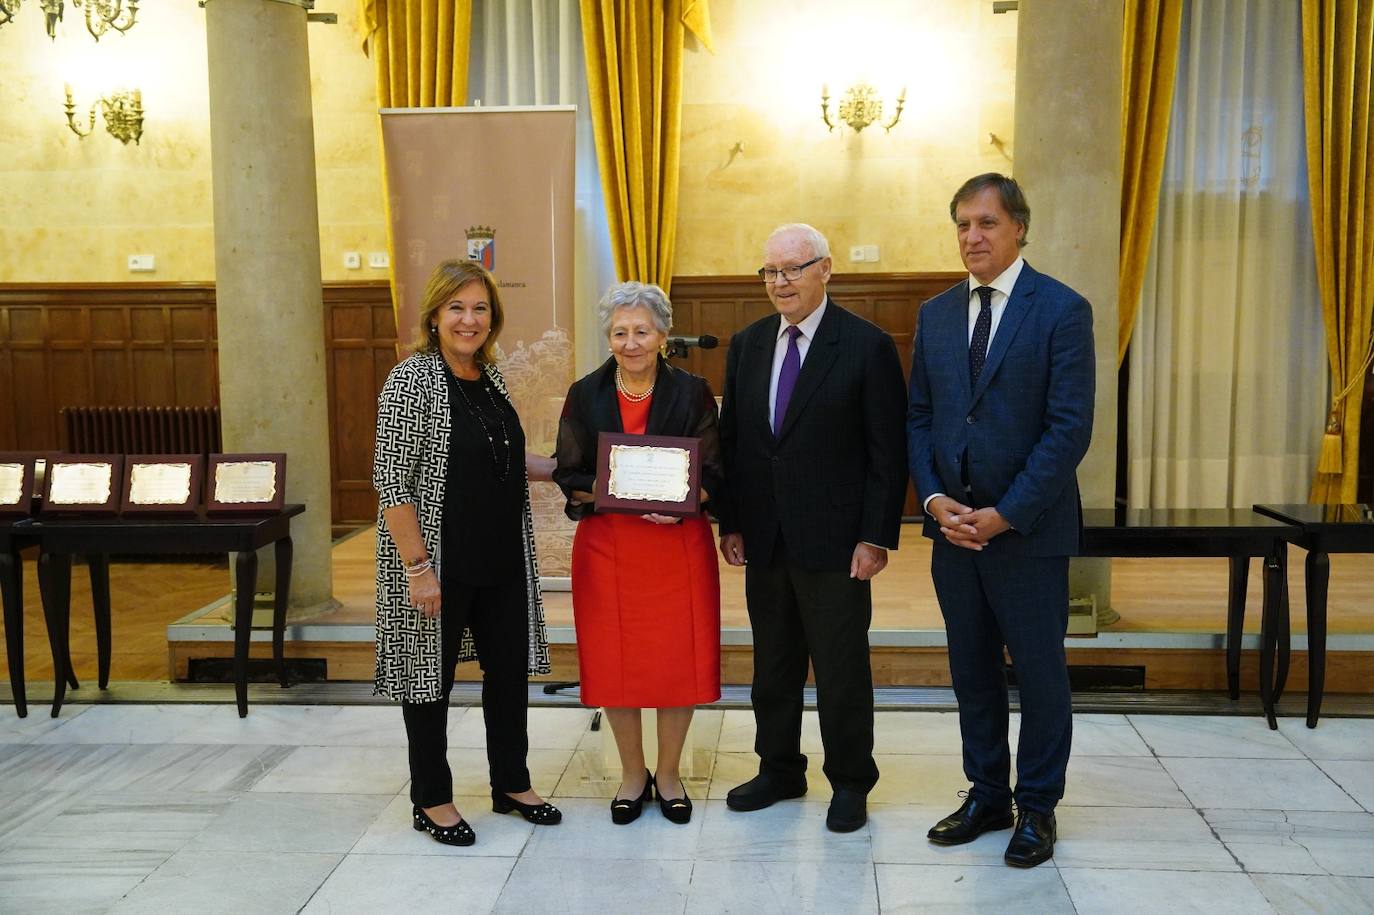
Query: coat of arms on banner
[(482, 245)]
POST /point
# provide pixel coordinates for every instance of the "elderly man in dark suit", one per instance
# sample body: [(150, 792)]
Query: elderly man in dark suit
[(815, 459), (1001, 406)]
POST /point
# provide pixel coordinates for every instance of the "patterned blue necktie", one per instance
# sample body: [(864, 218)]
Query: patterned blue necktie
[(982, 330)]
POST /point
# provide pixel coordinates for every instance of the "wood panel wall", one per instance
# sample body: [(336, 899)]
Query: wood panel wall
[(720, 305), (154, 344)]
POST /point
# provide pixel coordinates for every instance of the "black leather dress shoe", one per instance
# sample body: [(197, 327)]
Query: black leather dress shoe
[(848, 810), (762, 791), (1033, 841), (969, 822)]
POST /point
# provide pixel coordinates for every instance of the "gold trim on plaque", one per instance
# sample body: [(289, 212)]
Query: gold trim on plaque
[(651, 473), (160, 484), (80, 484), (244, 482), (11, 484)]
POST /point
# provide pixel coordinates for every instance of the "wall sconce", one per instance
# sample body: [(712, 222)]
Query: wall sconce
[(123, 113), (860, 107), (101, 15)]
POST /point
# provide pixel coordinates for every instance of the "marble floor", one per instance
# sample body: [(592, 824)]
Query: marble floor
[(187, 808)]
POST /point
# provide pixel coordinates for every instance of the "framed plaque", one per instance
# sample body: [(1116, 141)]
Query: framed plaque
[(168, 484), (16, 484), (82, 484), (638, 474), (245, 483)]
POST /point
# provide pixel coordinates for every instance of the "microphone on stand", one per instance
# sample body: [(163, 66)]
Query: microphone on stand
[(678, 346)]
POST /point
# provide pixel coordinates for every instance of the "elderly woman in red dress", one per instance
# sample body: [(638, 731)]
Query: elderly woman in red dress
[(646, 588)]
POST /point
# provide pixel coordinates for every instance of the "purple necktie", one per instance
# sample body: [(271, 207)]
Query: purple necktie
[(787, 377)]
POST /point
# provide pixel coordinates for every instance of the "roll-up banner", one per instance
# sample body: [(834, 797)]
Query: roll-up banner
[(496, 185)]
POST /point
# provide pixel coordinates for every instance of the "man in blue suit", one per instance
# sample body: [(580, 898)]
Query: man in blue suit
[(1000, 414)]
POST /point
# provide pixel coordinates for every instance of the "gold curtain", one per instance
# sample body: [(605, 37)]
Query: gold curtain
[(1338, 63), (634, 81), (1149, 57), (420, 49)]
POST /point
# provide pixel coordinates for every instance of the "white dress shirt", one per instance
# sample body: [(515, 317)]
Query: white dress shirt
[(1001, 293), (808, 327)]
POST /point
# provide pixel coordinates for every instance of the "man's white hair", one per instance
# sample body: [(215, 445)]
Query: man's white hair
[(819, 246)]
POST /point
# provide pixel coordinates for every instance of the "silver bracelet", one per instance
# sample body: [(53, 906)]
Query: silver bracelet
[(419, 568)]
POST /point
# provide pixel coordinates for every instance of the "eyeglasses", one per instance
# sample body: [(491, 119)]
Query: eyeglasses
[(790, 273)]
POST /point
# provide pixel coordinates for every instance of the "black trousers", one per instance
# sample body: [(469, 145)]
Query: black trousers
[(989, 600), (799, 615), (499, 619)]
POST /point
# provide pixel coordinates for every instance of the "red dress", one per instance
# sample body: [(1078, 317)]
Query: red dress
[(646, 604)]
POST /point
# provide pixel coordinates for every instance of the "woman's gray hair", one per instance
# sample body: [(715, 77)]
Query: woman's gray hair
[(819, 246), (632, 294)]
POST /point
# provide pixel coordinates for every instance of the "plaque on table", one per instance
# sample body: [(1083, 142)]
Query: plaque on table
[(162, 484), (82, 484), (639, 474), (16, 485), (245, 483)]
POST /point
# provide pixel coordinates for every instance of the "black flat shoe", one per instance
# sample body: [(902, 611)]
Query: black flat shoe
[(624, 812), (762, 791), (677, 810), (539, 814), (1032, 842), (970, 821), (460, 834), (848, 810)]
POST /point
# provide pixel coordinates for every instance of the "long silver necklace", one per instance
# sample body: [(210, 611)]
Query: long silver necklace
[(624, 392), (496, 468)]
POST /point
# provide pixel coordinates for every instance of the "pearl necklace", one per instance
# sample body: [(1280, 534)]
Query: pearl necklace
[(624, 392)]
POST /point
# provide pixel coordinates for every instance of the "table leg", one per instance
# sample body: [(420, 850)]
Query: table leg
[(98, 564), (12, 594), (55, 581), (245, 581), (1283, 632), (1318, 576), (1268, 622), (1235, 621), (283, 562)]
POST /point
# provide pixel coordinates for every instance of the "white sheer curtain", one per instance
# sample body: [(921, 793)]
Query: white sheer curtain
[(529, 52), (1227, 380)]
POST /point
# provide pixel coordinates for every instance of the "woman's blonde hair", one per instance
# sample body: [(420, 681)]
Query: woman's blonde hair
[(443, 285)]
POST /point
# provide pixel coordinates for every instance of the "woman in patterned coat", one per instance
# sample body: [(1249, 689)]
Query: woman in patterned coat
[(456, 572)]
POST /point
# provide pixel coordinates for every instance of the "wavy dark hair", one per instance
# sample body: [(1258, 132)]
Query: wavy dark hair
[(1013, 198)]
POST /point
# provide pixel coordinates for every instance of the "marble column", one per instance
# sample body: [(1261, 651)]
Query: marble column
[(1068, 160), (273, 393)]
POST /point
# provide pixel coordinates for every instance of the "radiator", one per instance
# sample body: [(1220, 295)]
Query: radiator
[(141, 430)]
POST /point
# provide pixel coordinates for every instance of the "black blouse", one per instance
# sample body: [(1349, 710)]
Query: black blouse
[(683, 405), (484, 489)]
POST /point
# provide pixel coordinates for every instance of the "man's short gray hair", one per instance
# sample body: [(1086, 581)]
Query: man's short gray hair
[(632, 294), (819, 246)]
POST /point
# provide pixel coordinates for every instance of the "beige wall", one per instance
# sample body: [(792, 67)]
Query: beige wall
[(762, 88), (72, 210)]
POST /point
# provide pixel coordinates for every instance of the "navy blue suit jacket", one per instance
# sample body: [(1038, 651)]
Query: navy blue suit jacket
[(1025, 426)]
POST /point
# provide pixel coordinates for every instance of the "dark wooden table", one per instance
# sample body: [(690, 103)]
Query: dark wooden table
[(1236, 534), (1324, 529), (96, 538), (15, 535)]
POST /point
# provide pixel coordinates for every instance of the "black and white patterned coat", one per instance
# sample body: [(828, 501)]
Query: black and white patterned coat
[(409, 466)]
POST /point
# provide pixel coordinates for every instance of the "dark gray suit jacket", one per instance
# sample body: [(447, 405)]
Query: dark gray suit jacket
[(835, 474)]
